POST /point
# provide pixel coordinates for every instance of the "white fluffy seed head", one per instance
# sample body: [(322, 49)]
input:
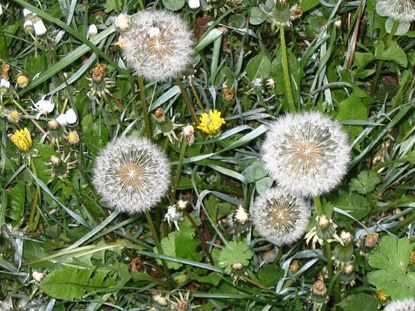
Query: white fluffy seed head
[(280, 217), (306, 153), (131, 174), (401, 305), (157, 45), (400, 10)]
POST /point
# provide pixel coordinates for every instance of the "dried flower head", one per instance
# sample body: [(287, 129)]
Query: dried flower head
[(22, 140), (401, 305), (319, 288), (240, 215), (400, 10), (131, 174), (189, 134), (211, 122), (307, 153), (280, 217), (371, 239), (156, 44)]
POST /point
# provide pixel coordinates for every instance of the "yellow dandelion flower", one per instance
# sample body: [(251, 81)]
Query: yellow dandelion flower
[(211, 122), (22, 140), (73, 137)]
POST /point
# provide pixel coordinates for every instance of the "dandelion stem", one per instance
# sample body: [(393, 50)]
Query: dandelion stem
[(188, 101), (33, 218), (318, 206), (328, 255), (157, 242), (178, 170), (198, 101), (144, 104), (380, 65), (286, 71)]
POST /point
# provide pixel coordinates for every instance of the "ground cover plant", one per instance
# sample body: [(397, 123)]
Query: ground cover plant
[(207, 155)]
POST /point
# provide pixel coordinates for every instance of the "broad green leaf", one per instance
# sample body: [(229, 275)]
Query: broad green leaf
[(393, 53), (112, 5), (173, 5), (254, 172), (263, 184), (307, 5), (357, 205), (257, 16), (270, 274), (365, 182), (352, 108), (234, 253), (258, 67), (73, 284), (363, 59), (361, 302), (16, 198), (392, 254), (392, 259)]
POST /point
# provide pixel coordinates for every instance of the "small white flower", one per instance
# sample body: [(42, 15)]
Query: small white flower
[(43, 106), (27, 12), (1, 10), (306, 153), (401, 305), (131, 174), (157, 44), (241, 215), (28, 25), (61, 119), (39, 27), (69, 117), (37, 276), (4, 83), (280, 217), (194, 4), (181, 204), (92, 31), (400, 10), (189, 134), (173, 216)]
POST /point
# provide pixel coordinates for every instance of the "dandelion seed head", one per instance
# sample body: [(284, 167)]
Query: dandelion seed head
[(401, 305), (399, 10), (131, 175), (156, 44), (280, 217), (307, 153)]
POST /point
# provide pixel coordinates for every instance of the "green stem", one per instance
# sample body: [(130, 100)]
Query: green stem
[(380, 65), (285, 69), (318, 206), (33, 218), (410, 219), (198, 101), (157, 242), (144, 104), (188, 101), (178, 170), (328, 255)]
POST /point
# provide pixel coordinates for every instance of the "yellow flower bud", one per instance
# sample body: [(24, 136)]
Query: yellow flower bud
[(73, 137), (22, 81), (22, 140), (14, 116)]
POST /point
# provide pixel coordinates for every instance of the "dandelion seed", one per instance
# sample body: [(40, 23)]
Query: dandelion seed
[(22, 140), (399, 10), (156, 44), (401, 305), (307, 153), (131, 175), (211, 122), (280, 217)]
